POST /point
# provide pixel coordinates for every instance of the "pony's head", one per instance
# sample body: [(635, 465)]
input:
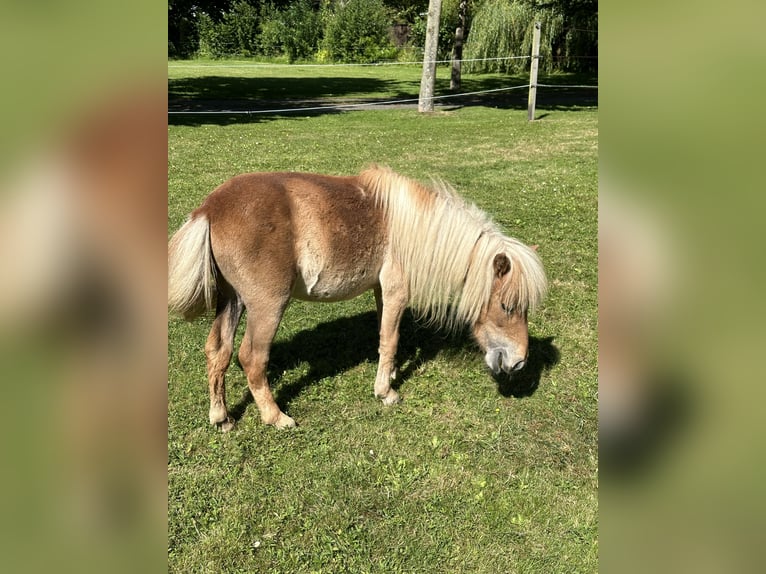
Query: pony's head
[(460, 268), (501, 328)]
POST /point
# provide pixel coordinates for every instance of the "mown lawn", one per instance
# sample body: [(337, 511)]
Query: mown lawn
[(243, 84), (463, 475)]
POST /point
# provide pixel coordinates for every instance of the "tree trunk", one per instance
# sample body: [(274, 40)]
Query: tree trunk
[(457, 50), (428, 80)]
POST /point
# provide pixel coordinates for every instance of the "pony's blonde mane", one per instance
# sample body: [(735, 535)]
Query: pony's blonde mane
[(446, 248)]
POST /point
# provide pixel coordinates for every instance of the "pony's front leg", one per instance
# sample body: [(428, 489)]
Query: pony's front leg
[(391, 301)]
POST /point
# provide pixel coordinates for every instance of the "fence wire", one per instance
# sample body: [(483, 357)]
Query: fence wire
[(342, 65), (351, 106), (340, 107)]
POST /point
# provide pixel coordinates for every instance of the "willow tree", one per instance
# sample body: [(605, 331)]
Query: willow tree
[(504, 28)]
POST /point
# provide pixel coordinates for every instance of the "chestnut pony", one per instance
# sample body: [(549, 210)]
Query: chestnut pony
[(261, 238)]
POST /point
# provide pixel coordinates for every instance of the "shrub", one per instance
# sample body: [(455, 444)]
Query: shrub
[(271, 31), (216, 39), (357, 31), (234, 35), (183, 38), (243, 21), (302, 30)]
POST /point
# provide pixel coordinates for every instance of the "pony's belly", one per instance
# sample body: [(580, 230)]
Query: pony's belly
[(333, 285)]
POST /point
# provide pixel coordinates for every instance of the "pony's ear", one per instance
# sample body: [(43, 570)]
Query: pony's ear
[(534, 247), (501, 264)]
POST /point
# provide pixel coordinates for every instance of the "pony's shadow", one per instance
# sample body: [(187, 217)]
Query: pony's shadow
[(336, 346), (543, 356)]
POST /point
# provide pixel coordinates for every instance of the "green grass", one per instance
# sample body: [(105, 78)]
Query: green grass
[(247, 83), (463, 475)]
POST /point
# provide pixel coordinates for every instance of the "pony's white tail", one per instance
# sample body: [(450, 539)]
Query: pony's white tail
[(191, 271)]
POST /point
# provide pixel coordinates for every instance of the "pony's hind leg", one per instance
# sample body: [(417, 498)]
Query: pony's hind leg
[(218, 350), (262, 323)]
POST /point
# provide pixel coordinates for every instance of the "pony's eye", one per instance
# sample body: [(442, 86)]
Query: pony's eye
[(506, 308)]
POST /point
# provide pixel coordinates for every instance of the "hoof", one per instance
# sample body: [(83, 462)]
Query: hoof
[(284, 422), (227, 425), (391, 398), (218, 415)]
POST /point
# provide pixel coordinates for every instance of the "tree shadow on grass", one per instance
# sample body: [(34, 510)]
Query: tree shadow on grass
[(228, 100), (221, 100), (224, 88), (336, 346)]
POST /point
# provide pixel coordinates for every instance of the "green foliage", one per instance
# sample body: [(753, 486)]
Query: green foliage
[(502, 28), (243, 19), (234, 35), (183, 37), (447, 24), (357, 31), (302, 30), (271, 31), (216, 39)]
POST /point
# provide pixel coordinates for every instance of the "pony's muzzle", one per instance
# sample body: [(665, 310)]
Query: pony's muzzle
[(501, 359), (519, 365)]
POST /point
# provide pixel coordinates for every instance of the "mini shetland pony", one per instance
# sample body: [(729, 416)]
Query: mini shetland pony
[(260, 239)]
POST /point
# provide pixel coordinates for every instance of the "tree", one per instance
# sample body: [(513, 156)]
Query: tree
[(184, 16), (183, 34), (500, 28), (428, 79)]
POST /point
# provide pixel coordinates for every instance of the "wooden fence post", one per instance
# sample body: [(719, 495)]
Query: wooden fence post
[(533, 73), (457, 49)]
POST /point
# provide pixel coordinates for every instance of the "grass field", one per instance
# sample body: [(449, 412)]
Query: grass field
[(464, 475), (241, 84)]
